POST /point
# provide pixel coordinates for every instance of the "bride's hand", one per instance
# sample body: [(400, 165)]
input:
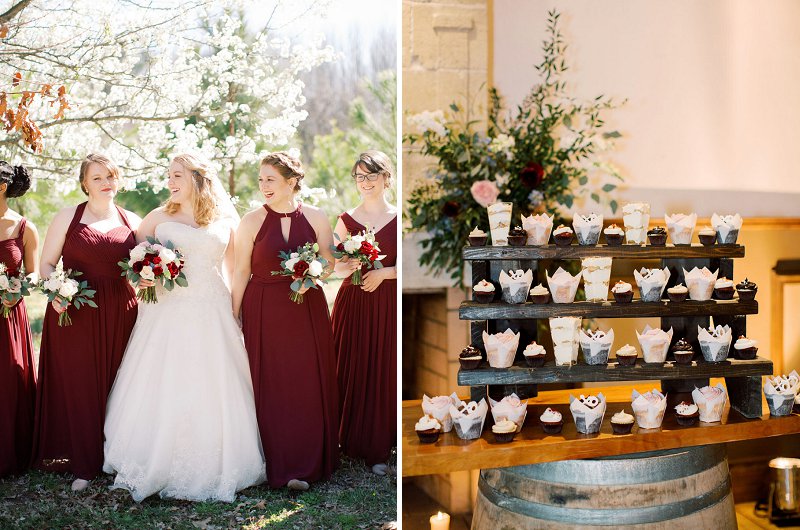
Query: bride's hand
[(143, 284)]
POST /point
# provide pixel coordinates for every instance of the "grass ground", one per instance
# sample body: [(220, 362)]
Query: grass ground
[(353, 498)]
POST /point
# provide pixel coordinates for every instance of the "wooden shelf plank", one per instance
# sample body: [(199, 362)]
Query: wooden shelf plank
[(532, 446), (620, 252), (521, 374), (470, 310)]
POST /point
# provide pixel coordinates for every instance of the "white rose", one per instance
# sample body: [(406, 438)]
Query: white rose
[(290, 263), (156, 248), (147, 273), (166, 255), (4, 283), (351, 246), (315, 268), (52, 285), (68, 289), (294, 255), (137, 253), (2, 267), (359, 238)]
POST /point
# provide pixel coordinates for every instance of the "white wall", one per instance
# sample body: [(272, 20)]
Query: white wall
[(713, 92)]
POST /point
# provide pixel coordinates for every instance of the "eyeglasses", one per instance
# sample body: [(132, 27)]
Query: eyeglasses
[(361, 177)]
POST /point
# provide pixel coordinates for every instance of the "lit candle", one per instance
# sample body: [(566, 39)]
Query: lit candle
[(440, 521)]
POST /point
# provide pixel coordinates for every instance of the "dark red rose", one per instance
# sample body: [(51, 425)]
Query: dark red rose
[(151, 256), (158, 270), (300, 269), (146, 262), (532, 175), (137, 267), (366, 247), (173, 269), (156, 260), (451, 208), (340, 247)]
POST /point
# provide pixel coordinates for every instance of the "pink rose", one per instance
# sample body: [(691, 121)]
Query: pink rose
[(441, 401), (512, 401), (484, 192)]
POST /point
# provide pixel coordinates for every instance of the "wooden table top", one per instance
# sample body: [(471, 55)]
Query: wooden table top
[(532, 446)]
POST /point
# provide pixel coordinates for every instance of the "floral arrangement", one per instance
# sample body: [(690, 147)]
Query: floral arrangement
[(537, 157), (157, 262), (305, 266), (362, 247), (61, 285), (13, 286)]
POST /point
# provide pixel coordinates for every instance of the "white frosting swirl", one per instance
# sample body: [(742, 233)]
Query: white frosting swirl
[(562, 230), (550, 416), (477, 232), (504, 425), (622, 417), (722, 283), (483, 287), (614, 229), (427, 422), (621, 287), (686, 410), (534, 349), (743, 343), (539, 290), (678, 289), (627, 350)]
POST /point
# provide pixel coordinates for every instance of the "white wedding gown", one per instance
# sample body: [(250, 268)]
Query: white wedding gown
[(181, 418)]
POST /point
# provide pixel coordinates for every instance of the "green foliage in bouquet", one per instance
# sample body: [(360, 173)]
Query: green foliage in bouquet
[(537, 157)]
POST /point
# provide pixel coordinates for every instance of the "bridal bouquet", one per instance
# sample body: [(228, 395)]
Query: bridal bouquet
[(61, 285), (361, 247), (160, 263), (13, 286), (305, 266)]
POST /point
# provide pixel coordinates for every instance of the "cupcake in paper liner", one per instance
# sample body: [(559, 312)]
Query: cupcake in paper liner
[(510, 408), (651, 283), (428, 429), (501, 348), (439, 407), (714, 343), (681, 227), (563, 286), (636, 218), (515, 285), (781, 392), (700, 283), (649, 408), (564, 331), (707, 236), (727, 228), (614, 235), (588, 412), (655, 344), (477, 238), (538, 228), (622, 422), (710, 401), (587, 228), (468, 419), (596, 345), (596, 274), (499, 222)]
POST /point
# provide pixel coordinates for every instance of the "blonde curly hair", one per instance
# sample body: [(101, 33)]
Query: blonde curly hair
[(204, 200)]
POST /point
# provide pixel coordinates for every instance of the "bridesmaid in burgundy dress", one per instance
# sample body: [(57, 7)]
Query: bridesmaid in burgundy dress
[(290, 345), (365, 323), (78, 363), (18, 248)]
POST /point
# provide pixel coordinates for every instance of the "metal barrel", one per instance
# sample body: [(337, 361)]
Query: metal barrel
[(687, 488)]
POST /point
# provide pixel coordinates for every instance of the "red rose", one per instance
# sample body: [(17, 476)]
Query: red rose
[(150, 256), (532, 175), (300, 269), (146, 262), (156, 260), (137, 267), (451, 208), (340, 247), (158, 270), (173, 269), (366, 247)]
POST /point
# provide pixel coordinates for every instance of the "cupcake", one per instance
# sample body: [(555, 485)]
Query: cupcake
[(470, 358), (504, 431), (651, 283), (477, 238), (686, 413), (677, 293), (622, 422), (623, 292), (781, 392), (649, 408), (657, 236), (588, 412), (655, 344), (483, 292), (727, 228), (551, 421), (680, 227), (747, 290), (745, 348), (710, 401), (614, 235), (700, 283), (723, 289), (683, 351), (534, 355), (626, 356), (540, 294), (517, 237), (538, 228), (707, 236), (428, 429), (596, 346), (714, 343), (515, 285), (587, 228), (562, 236)]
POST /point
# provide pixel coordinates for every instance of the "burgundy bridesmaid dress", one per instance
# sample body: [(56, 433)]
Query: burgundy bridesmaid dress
[(78, 363), (291, 353), (365, 334), (17, 373)]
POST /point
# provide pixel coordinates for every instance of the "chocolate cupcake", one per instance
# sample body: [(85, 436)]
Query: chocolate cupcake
[(707, 236), (504, 431), (626, 356), (623, 292), (477, 238), (469, 358), (677, 293), (683, 352), (723, 289), (483, 292), (622, 422), (428, 429), (540, 294), (686, 413), (745, 348), (562, 236), (517, 236), (747, 290), (657, 236), (534, 355), (551, 421), (614, 235)]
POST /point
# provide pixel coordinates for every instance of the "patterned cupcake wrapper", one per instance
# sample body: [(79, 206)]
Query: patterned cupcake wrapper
[(598, 357), (779, 405), (472, 433), (582, 427), (729, 239), (590, 238), (651, 295), (714, 354), (519, 297)]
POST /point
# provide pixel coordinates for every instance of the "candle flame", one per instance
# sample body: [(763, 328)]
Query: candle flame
[(439, 516)]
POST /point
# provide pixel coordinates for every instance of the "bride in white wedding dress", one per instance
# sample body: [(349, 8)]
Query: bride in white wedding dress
[(181, 419)]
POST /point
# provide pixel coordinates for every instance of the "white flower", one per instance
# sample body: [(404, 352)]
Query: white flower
[(351, 245), (501, 179), (166, 255), (137, 253), (52, 284), (429, 121), (315, 268), (503, 143), (3, 283), (68, 289), (2, 267), (535, 197), (291, 262), (147, 273)]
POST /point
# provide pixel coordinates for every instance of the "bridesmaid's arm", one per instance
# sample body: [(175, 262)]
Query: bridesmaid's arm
[(243, 250), (54, 240), (30, 258), (344, 267)]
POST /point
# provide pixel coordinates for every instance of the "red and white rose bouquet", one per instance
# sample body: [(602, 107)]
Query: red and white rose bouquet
[(61, 285), (305, 266), (361, 247), (13, 286), (157, 262)]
